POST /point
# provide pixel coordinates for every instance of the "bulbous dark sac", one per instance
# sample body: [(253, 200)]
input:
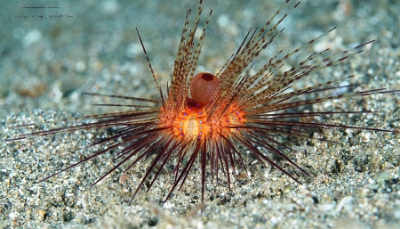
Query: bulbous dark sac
[(204, 87)]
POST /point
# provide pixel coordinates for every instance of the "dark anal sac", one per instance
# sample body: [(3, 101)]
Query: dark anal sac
[(203, 89)]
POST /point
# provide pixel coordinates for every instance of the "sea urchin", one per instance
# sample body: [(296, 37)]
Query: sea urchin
[(214, 118)]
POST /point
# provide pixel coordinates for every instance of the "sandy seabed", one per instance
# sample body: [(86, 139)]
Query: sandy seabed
[(49, 56)]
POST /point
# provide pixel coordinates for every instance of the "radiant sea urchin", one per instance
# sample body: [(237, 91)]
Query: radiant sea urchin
[(214, 118)]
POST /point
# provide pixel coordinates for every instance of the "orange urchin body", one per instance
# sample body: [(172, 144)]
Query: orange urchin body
[(191, 122)]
